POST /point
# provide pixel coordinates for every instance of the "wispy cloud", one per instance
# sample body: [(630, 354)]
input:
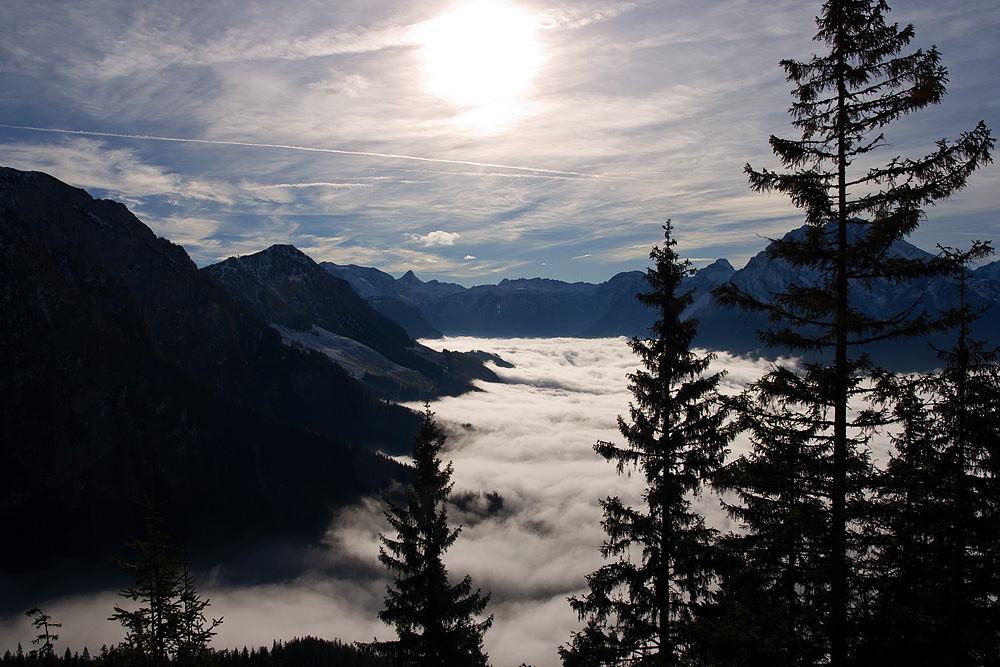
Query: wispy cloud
[(310, 149), (641, 111), (119, 171)]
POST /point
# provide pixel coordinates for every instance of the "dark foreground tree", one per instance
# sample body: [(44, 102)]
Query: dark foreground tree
[(854, 212), (46, 638), (169, 624), (435, 621), (968, 406), (772, 595), (934, 568), (641, 604)]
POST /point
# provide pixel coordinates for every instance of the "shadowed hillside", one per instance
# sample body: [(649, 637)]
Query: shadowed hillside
[(129, 374)]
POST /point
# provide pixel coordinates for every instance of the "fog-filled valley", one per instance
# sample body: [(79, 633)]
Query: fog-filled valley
[(226, 393), (529, 439), (284, 440)]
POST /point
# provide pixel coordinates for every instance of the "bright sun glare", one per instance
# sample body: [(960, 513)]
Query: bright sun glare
[(482, 55)]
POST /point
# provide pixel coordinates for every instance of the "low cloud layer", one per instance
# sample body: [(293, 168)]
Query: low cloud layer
[(529, 439)]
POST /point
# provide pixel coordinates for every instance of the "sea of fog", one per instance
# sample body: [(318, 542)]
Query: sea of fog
[(530, 439)]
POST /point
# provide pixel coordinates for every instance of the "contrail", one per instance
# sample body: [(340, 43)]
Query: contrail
[(310, 149)]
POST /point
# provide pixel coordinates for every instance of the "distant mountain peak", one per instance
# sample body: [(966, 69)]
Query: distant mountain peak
[(719, 270), (285, 250), (281, 253), (410, 278)]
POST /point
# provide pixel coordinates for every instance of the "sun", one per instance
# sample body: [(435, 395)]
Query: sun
[(482, 55)]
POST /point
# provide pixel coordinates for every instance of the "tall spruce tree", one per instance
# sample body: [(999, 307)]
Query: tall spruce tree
[(968, 394), (641, 604), (905, 572), (435, 621), (854, 213)]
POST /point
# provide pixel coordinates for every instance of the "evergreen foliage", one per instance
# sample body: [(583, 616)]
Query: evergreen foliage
[(933, 570), (300, 652), (169, 624), (772, 593), (641, 604), (435, 621), (855, 212), (969, 396), (43, 622)]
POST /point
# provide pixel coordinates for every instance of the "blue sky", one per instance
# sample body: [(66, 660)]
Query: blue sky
[(345, 129)]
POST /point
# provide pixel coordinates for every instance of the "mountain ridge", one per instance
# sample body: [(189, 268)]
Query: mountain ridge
[(314, 309), (545, 307), (126, 373)]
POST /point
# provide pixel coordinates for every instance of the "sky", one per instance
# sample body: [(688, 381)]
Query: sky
[(466, 140), (566, 395)]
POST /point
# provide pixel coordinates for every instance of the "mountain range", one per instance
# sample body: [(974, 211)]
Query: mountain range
[(254, 396), (543, 308), (535, 307)]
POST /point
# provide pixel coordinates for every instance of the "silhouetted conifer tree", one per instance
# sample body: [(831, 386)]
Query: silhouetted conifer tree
[(640, 605), (772, 593), (46, 638), (194, 629), (905, 573), (169, 623), (934, 564), (969, 406), (435, 621), (855, 213)]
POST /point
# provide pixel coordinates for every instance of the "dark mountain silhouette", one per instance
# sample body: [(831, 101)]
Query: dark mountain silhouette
[(126, 373), (316, 310)]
